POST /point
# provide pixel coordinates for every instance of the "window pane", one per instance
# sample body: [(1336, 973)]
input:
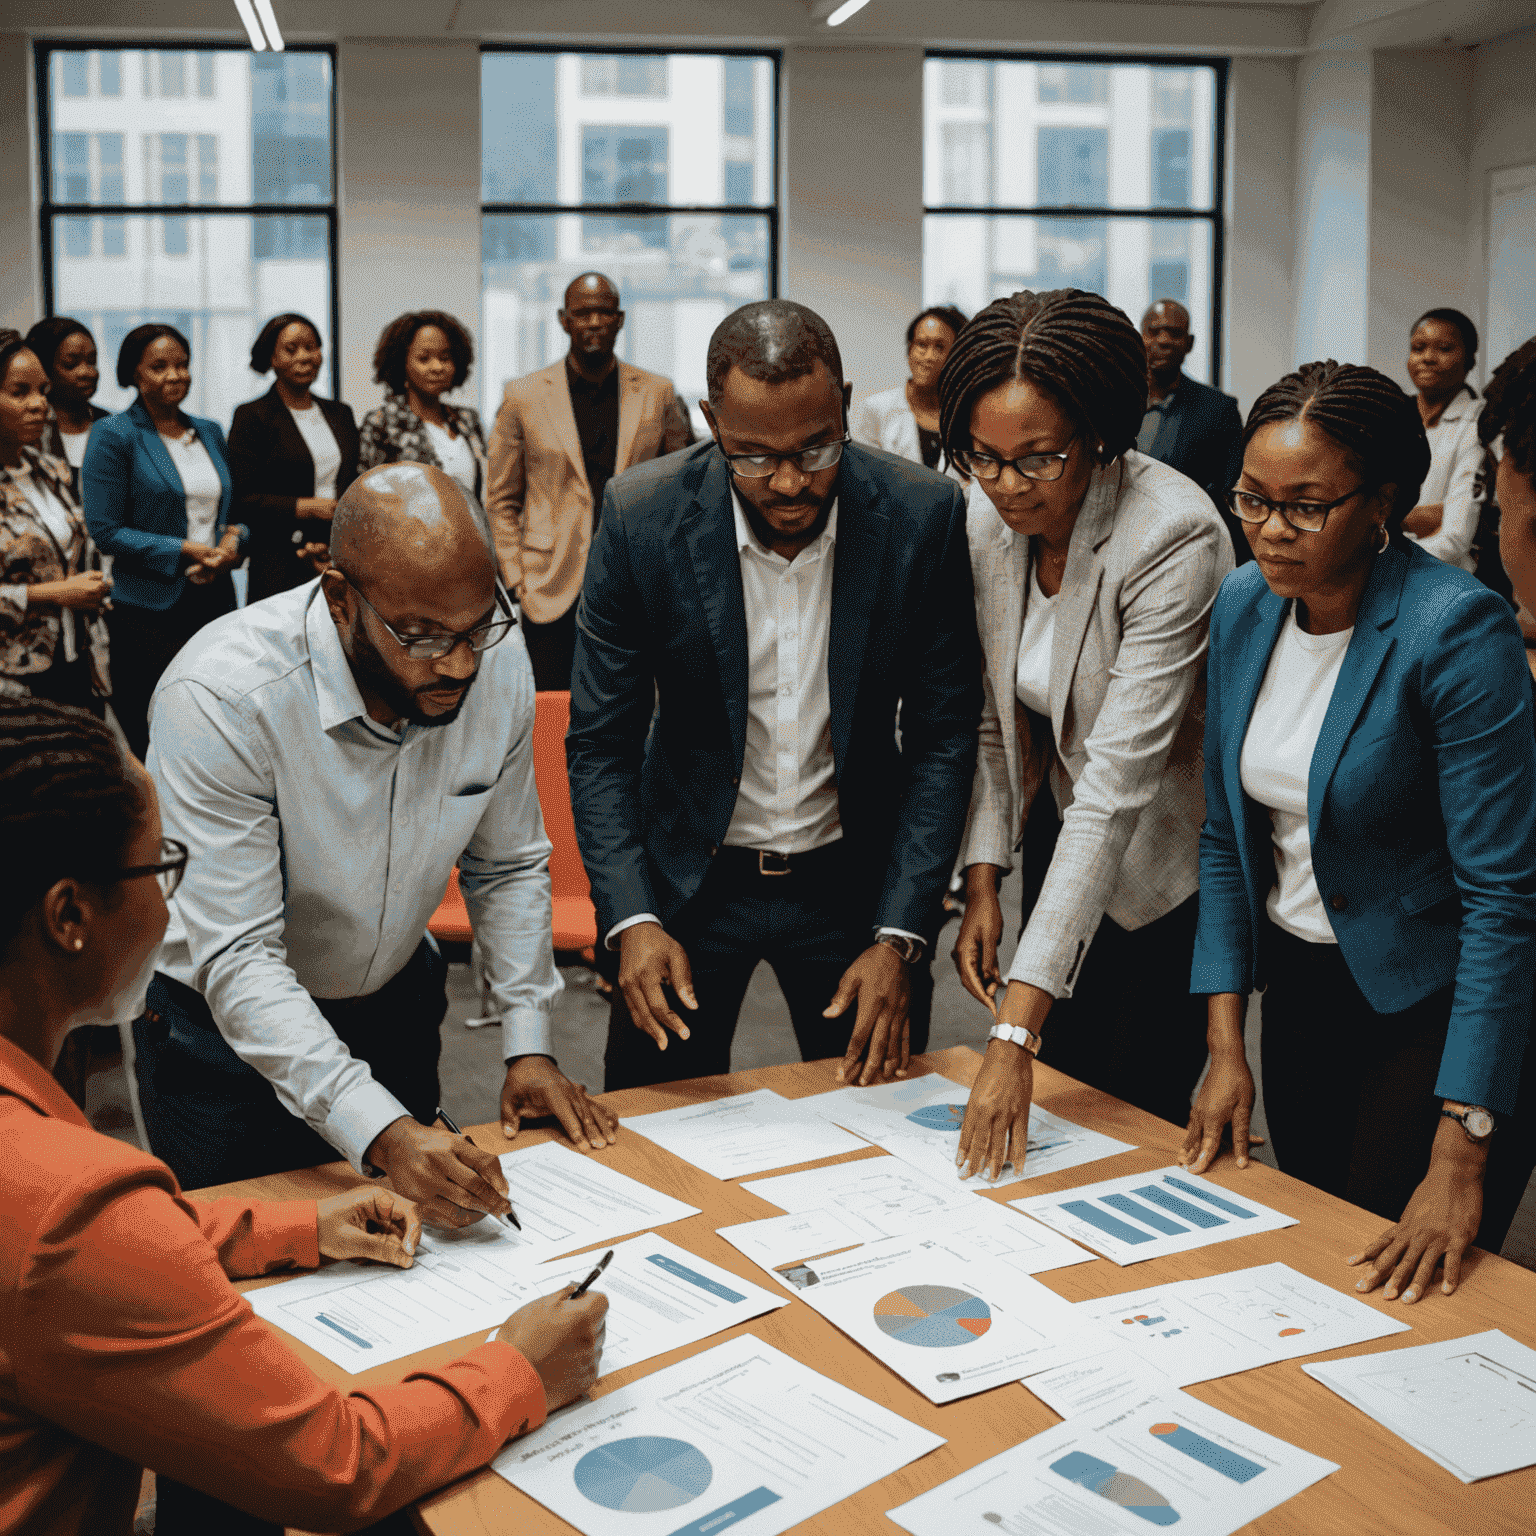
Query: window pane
[(678, 276), (110, 72), (971, 259), (205, 74), (233, 276), (74, 72), (1106, 135), (173, 75), (571, 128)]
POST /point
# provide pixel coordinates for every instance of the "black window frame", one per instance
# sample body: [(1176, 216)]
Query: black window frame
[(1215, 215), (48, 210)]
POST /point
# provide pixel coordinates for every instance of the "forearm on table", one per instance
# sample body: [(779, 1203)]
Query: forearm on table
[(255, 1237)]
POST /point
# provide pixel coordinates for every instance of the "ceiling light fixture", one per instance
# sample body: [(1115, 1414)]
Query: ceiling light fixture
[(844, 11), (269, 25), (252, 27)]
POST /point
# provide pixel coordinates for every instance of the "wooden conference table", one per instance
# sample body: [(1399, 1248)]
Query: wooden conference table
[(1383, 1485)]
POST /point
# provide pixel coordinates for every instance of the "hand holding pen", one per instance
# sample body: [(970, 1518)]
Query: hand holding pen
[(442, 1114)]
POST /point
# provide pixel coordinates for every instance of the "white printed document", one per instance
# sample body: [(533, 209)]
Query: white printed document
[(876, 1196), (947, 1318), (748, 1133), (1162, 1461), (1147, 1215), (919, 1120), (739, 1438), (1468, 1404)]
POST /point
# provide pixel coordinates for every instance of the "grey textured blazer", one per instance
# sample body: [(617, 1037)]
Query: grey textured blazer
[(1127, 697)]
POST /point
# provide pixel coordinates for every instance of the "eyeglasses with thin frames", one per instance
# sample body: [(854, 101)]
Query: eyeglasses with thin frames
[(172, 866), (809, 461), (1304, 516), (435, 647), (1032, 466)]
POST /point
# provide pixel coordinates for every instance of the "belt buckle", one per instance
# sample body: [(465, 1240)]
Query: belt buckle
[(780, 866)]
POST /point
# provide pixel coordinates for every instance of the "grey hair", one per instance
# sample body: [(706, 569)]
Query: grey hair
[(772, 341)]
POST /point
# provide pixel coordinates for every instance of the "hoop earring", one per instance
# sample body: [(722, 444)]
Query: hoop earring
[(1386, 539), (79, 944)]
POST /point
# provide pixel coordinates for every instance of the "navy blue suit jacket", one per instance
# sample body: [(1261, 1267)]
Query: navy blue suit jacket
[(1421, 803), (661, 628), (1207, 445)]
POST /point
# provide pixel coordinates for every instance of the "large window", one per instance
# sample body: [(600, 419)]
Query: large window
[(655, 169), (1049, 173), (193, 186)]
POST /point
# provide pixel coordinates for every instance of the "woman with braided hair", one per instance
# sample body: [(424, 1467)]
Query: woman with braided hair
[(1508, 427), (1095, 568), (1369, 852)]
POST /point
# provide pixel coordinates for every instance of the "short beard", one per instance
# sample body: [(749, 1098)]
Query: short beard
[(371, 672)]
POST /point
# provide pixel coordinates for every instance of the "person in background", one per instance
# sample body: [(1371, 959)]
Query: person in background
[(1095, 571), (1442, 348), (1369, 852), (157, 499), (292, 454), (217, 1402), (905, 420), (1507, 428), (420, 357), (561, 434), (67, 351)]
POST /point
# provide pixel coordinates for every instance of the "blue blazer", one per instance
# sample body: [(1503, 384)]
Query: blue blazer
[(1421, 803), (661, 627), (136, 508)]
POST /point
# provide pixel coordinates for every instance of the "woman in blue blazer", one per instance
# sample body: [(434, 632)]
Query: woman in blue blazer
[(157, 491), (1369, 850)]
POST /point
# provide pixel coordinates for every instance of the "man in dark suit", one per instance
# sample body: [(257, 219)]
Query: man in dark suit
[(1190, 426), (773, 597)]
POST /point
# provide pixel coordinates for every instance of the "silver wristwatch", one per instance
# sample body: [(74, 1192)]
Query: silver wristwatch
[(910, 949), (1016, 1034), (1477, 1122)]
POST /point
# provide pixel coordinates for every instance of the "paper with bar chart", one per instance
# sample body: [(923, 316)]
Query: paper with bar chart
[(1468, 1404), (1147, 1215), (918, 1120), (1160, 1460), (739, 1438)]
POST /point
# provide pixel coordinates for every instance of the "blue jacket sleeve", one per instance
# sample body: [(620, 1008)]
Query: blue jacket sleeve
[(107, 486)]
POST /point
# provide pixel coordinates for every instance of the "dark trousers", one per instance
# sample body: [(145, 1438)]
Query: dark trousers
[(552, 650), (1349, 1093), (1131, 1027), (144, 643), (809, 925)]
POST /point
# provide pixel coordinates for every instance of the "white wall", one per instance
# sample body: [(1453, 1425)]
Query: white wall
[(20, 281)]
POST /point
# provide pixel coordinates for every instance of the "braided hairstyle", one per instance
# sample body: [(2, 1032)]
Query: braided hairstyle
[(67, 805), (1509, 408), (1362, 411), (1076, 346)]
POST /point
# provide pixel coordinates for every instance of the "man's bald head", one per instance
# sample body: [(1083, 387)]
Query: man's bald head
[(591, 285), (1169, 311), (591, 317), (1165, 334)]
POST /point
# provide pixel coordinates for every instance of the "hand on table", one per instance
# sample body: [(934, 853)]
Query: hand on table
[(450, 1179), (996, 1128), (981, 931), (535, 1086), (882, 1035), (1224, 1103), (562, 1340), (649, 959), (369, 1222)]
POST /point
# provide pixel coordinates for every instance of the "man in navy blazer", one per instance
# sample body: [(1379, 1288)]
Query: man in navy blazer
[(756, 613)]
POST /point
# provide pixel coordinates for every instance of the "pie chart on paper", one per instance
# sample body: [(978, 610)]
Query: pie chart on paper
[(932, 1316), (643, 1474), (939, 1117)]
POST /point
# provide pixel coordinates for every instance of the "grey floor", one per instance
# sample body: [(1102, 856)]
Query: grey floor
[(471, 1074)]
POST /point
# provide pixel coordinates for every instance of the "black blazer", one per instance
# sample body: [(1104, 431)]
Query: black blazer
[(270, 464), (661, 626), (1208, 447)]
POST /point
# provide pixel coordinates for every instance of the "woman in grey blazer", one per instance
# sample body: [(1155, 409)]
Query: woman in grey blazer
[(905, 420), (1095, 570)]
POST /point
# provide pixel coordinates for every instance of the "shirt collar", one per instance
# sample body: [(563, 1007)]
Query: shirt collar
[(336, 692), (747, 540), (1462, 404)]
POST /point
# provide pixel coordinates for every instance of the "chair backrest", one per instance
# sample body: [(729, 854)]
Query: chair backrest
[(552, 718)]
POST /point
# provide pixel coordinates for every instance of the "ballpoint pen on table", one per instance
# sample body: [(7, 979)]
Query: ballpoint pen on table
[(447, 1119), (602, 1264)]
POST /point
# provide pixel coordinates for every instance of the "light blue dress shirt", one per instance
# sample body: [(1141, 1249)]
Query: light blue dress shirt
[(321, 843)]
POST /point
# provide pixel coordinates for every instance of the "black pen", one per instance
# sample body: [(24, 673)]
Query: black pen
[(447, 1119), (581, 1290)]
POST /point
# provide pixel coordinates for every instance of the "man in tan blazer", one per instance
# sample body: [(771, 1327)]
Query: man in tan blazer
[(561, 434)]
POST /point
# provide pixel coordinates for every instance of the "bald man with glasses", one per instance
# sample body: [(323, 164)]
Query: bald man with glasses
[(328, 755)]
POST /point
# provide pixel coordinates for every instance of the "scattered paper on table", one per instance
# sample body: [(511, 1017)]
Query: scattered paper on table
[(747, 1133), (877, 1196), (740, 1436), (1165, 1460), (1468, 1404), (1147, 1215)]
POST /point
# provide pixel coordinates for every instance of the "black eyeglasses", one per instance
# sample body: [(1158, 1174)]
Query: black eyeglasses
[(1303, 516), (809, 461), (434, 647), (1033, 466), (170, 869)]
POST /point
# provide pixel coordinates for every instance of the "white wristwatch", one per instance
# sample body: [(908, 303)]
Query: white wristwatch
[(1016, 1034)]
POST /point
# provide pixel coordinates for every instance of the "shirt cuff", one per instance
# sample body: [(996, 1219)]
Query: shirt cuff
[(611, 942), (527, 1032), (352, 1124), (904, 933)]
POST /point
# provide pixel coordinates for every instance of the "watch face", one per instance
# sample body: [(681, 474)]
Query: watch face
[(1479, 1123)]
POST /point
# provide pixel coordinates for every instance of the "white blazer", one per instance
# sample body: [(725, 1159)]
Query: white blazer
[(1455, 455), (886, 421), (1127, 698)]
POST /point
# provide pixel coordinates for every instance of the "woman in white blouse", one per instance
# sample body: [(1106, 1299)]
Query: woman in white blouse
[(905, 420), (1442, 348), (67, 351)]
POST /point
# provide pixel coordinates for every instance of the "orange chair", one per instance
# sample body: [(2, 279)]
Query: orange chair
[(575, 919)]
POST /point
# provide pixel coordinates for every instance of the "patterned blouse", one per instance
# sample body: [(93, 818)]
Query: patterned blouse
[(395, 434)]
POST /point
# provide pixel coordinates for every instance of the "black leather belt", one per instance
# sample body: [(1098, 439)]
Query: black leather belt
[(764, 861)]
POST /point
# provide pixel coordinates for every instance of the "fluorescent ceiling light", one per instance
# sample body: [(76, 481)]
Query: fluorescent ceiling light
[(844, 11), (252, 30), (269, 23)]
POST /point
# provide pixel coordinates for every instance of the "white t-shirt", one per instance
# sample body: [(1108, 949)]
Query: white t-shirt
[(454, 454), (74, 446), (321, 442), (1277, 759), (199, 483), (1032, 680)]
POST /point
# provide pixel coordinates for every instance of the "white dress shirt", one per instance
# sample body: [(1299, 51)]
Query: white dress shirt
[(200, 484), (1277, 762), (74, 445), (455, 455), (321, 843), (1032, 675), (321, 442), (1454, 456)]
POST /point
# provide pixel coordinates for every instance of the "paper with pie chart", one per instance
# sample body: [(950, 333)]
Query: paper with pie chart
[(919, 1120), (948, 1318), (1161, 1461), (739, 1438)]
